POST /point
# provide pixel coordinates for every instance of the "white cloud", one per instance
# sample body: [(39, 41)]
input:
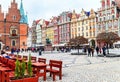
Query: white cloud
[(47, 8)]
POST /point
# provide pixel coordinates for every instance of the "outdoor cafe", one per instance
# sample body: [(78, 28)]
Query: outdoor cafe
[(9, 66)]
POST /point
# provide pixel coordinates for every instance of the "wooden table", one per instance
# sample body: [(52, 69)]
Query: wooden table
[(15, 58), (33, 61), (40, 66), (5, 69), (0, 63)]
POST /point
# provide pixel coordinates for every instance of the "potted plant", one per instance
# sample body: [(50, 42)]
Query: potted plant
[(18, 72), (31, 77), (22, 74)]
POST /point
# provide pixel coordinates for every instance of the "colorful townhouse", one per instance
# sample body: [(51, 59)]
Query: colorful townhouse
[(74, 26), (29, 39), (108, 18), (39, 32), (64, 27), (34, 37), (92, 28), (44, 28), (50, 31)]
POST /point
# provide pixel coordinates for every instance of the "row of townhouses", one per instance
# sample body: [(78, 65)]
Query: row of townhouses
[(68, 25)]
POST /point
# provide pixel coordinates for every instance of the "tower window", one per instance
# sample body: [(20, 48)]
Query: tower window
[(14, 17), (13, 42), (23, 43), (14, 32)]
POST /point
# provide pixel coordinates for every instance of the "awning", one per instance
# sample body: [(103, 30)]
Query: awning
[(58, 45), (37, 45)]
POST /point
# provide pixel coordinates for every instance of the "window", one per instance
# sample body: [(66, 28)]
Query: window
[(90, 27), (104, 18), (82, 22), (23, 43), (86, 27), (14, 17), (112, 16), (86, 34), (82, 34), (82, 28), (100, 19), (86, 21), (14, 32), (79, 29), (13, 42)]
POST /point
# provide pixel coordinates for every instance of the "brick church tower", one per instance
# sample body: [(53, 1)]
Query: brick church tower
[(13, 27), (23, 27)]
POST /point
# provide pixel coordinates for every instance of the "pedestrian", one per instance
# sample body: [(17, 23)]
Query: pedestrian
[(85, 50), (92, 50), (104, 50), (97, 50), (89, 51)]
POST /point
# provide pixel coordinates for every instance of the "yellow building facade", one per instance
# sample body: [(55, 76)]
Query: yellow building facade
[(73, 28), (50, 33), (92, 28), (83, 25)]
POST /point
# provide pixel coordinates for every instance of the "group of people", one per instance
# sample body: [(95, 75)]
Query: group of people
[(4, 54), (90, 50)]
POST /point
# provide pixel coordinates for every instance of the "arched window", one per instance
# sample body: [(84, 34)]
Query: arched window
[(14, 32), (13, 42)]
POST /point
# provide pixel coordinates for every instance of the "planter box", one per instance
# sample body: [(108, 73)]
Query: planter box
[(18, 80), (30, 79)]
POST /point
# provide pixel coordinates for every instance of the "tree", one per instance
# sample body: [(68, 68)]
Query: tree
[(108, 38), (78, 41)]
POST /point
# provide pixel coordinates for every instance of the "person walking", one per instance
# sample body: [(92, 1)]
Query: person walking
[(104, 51), (89, 51), (92, 50), (97, 50)]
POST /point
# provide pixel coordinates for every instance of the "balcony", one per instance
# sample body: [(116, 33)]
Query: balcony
[(13, 36)]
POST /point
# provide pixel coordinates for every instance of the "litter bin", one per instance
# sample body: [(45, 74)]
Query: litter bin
[(40, 52)]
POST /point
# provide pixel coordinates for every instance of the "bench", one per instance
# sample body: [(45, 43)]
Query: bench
[(42, 60)]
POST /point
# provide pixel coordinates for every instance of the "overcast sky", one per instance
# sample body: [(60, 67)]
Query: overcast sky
[(45, 9)]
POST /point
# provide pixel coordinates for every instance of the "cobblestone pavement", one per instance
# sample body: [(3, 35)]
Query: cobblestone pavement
[(81, 68)]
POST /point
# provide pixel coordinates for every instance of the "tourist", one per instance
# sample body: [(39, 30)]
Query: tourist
[(89, 51), (92, 50), (97, 50), (104, 50)]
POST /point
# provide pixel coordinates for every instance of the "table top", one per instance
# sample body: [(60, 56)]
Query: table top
[(15, 58), (38, 64), (5, 68), (31, 61)]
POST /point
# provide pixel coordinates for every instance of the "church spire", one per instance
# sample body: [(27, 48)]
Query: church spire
[(23, 16)]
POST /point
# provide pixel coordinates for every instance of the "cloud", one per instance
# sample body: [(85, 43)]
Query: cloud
[(47, 8)]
